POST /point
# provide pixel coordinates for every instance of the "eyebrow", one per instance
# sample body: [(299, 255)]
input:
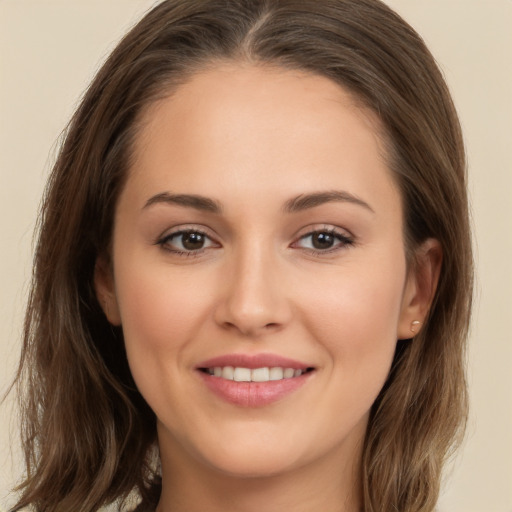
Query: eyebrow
[(307, 201), (296, 204), (187, 200)]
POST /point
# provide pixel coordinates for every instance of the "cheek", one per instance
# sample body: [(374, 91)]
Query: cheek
[(355, 319), (356, 308), (160, 312), (354, 312)]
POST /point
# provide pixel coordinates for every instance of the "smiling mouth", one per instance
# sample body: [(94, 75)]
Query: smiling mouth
[(264, 374)]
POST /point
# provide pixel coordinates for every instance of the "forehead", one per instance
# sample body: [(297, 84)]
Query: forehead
[(266, 127)]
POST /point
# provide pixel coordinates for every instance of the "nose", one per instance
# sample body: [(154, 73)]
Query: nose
[(254, 295)]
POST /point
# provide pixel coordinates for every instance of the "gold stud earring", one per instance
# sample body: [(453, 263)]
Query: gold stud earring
[(415, 324)]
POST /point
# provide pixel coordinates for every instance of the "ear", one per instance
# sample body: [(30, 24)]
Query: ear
[(420, 288), (105, 290)]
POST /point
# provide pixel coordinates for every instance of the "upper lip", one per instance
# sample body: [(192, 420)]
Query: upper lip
[(253, 361)]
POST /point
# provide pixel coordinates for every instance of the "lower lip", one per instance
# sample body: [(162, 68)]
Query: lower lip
[(253, 394)]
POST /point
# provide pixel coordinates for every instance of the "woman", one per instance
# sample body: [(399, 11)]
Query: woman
[(253, 275)]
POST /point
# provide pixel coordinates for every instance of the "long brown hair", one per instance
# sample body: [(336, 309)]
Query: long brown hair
[(87, 432)]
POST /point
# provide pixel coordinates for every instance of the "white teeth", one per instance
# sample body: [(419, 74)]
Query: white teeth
[(265, 374), (260, 375), (242, 375), (288, 373), (228, 372), (276, 373)]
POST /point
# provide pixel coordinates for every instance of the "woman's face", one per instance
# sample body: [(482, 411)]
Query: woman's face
[(259, 237)]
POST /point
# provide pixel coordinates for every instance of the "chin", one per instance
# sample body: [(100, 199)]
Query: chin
[(255, 456), (246, 466)]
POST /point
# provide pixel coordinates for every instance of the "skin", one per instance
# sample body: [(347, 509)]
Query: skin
[(252, 139)]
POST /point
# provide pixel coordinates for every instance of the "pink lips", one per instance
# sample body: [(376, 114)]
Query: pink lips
[(252, 394), (253, 361)]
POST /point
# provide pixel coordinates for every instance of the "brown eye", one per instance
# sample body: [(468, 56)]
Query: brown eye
[(193, 241), (322, 240), (188, 242)]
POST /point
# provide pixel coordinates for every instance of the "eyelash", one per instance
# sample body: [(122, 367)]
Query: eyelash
[(343, 241), (164, 241)]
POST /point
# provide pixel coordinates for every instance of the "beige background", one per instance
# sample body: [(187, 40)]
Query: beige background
[(49, 50)]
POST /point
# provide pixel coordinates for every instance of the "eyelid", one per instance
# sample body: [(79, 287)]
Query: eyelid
[(176, 231), (344, 237), (186, 228), (327, 228)]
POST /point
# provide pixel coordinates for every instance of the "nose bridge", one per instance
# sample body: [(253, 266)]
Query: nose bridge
[(255, 299)]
